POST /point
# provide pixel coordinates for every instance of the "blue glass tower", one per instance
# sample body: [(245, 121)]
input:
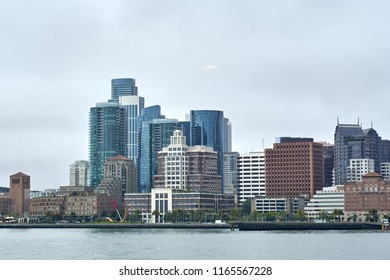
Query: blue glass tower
[(154, 134), (207, 129), (107, 137)]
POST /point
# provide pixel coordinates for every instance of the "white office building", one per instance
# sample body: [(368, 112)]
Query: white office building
[(385, 170), (79, 173), (358, 167), (327, 200), (251, 176)]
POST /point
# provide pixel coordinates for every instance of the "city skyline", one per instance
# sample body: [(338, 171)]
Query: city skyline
[(274, 70)]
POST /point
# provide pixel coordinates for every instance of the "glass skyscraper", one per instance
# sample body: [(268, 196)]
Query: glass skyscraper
[(107, 137), (207, 129), (122, 87), (155, 132)]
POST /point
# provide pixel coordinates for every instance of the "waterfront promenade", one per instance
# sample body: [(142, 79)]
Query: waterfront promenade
[(242, 226)]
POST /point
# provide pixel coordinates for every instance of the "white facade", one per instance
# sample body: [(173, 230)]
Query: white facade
[(358, 167), (385, 170), (79, 173), (176, 162), (161, 203), (328, 200), (251, 175)]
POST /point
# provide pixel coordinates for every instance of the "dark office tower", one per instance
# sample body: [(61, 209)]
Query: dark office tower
[(385, 151), (185, 126), (328, 152), (107, 137), (294, 167), (122, 87), (372, 147), (207, 130), (347, 145)]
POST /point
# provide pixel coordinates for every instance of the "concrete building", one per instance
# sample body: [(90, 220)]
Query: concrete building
[(5, 204), (294, 167), (230, 171), (251, 176), (326, 200), (372, 192), (358, 167), (123, 169), (40, 206), (279, 204), (20, 193), (91, 205), (385, 170), (193, 168), (162, 200), (79, 173)]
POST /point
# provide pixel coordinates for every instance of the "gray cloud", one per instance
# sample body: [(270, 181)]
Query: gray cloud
[(276, 68)]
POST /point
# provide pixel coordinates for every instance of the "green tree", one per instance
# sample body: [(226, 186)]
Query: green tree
[(300, 215), (235, 214), (338, 213), (246, 207), (156, 213), (372, 215)]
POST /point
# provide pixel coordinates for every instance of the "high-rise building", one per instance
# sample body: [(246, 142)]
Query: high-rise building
[(230, 171), (294, 167), (359, 167), (156, 135), (122, 87), (107, 137), (251, 176), (192, 168), (133, 105), (79, 173), (342, 150), (123, 169), (20, 193), (207, 129), (227, 135), (328, 152)]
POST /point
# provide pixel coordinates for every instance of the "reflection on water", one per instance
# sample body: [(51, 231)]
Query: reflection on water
[(187, 244)]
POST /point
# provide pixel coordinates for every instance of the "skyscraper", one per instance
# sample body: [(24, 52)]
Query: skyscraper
[(294, 167), (207, 129), (107, 137), (133, 105), (192, 168), (343, 143), (227, 135), (122, 87), (156, 135), (79, 173)]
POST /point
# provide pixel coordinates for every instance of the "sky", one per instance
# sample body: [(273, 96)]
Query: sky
[(276, 68)]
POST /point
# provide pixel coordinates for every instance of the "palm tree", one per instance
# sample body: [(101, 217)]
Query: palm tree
[(373, 215), (156, 213), (337, 213)]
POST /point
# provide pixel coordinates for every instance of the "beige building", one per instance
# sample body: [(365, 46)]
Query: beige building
[(90, 205), (40, 206), (20, 193)]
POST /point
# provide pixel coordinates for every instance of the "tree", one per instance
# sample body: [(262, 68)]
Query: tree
[(235, 214), (246, 207), (156, 213), (300, 215), (372, 215), (338, 213)]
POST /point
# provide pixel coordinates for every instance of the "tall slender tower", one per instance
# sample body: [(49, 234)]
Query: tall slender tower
[(207, 129), (107, 137)]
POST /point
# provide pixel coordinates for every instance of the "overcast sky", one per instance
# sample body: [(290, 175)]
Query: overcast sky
[(276, 68)]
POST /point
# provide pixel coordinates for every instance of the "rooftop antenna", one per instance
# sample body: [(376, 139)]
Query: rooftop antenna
[(372, 124), (263, 144), (338, 120), (358, 121)]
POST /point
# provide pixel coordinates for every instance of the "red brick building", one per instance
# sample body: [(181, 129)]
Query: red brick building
[(370, 193), (294, 167)]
